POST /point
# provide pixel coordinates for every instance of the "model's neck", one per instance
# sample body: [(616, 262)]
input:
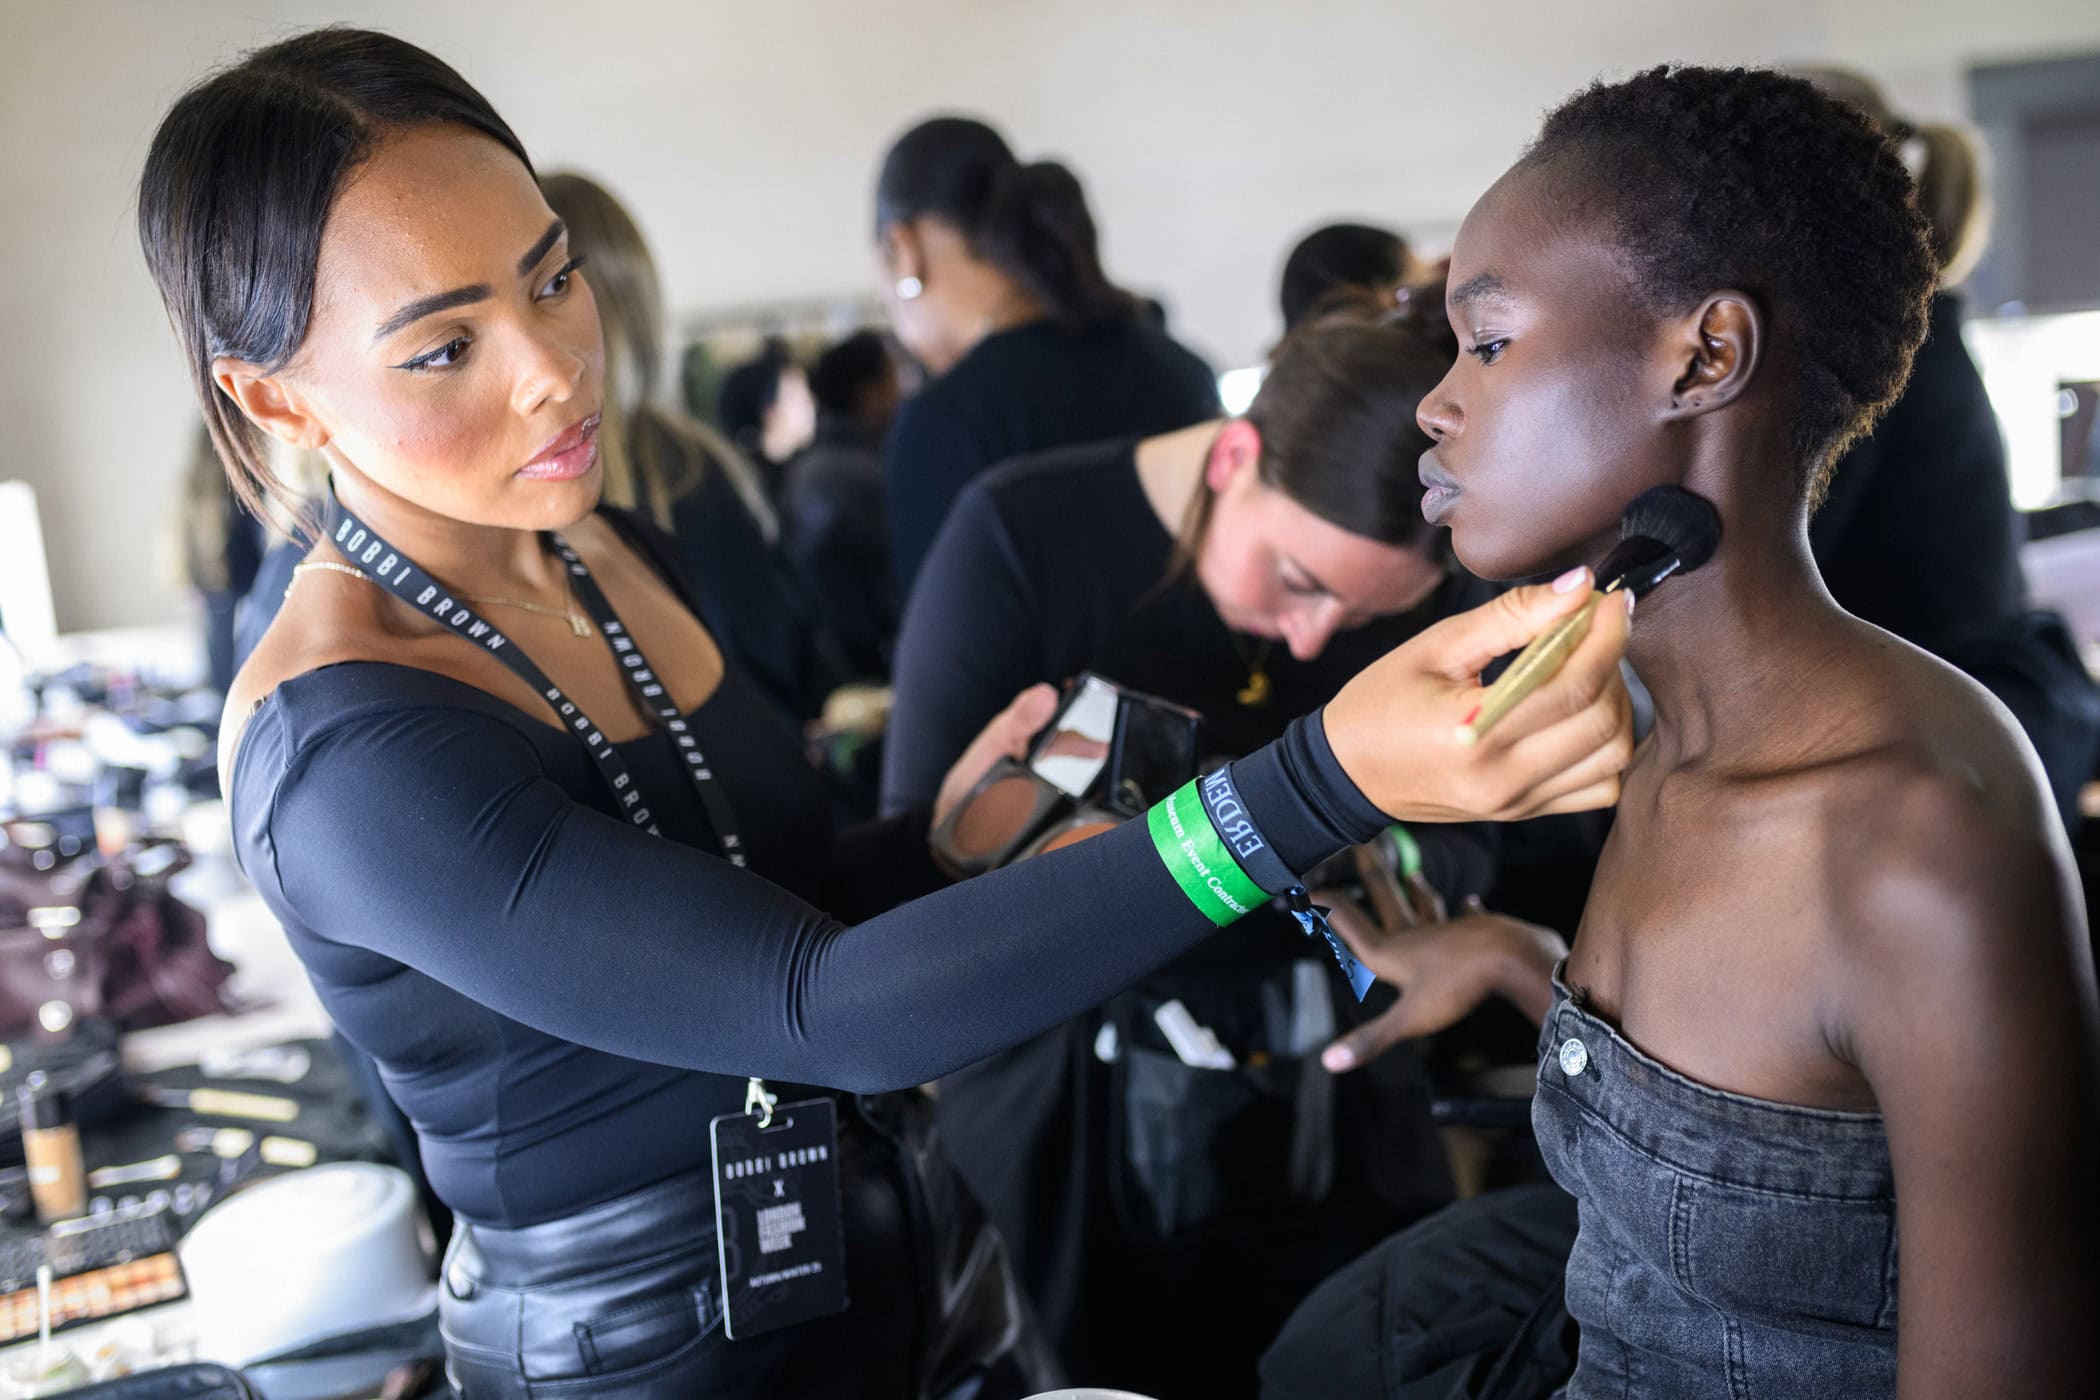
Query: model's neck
[(1731, 651)]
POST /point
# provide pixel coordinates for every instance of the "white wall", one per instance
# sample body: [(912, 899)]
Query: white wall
[(745, 133)]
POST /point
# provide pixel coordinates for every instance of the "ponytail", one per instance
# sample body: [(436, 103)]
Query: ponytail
[(1951, 196), (1949, 175), (1029, 221), (1038, 230)]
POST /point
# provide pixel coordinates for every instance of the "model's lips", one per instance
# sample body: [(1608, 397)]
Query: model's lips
[(1440, 490), (568, 456)]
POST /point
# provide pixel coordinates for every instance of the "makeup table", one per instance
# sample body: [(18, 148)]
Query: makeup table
[(277, 1006)]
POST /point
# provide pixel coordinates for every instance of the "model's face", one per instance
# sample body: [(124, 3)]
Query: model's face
[(454, 356), (1274, 569), (1548, 424)]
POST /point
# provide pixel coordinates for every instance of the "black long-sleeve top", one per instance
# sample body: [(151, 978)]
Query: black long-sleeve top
[(1918, 533), (1024, 390), (559, 1002)]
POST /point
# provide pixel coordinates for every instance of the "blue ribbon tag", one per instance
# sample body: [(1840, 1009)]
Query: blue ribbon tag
[(1313, 919)]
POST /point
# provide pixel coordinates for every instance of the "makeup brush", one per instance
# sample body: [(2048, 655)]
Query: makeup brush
[(1667, 530)]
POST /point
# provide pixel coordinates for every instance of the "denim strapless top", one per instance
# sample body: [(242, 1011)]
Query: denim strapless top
[(1729, 1247)]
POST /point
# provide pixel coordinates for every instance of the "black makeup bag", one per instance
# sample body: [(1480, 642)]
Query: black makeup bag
[(1194, 1148)]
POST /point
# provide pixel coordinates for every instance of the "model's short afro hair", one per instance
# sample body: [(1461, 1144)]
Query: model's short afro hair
[(1743, 178)]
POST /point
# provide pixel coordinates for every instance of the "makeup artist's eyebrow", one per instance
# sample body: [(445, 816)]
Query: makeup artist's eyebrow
[(1485, 286), (464, 296), (539, 250), (430, 306)]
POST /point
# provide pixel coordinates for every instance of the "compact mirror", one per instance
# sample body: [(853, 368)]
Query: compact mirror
[(1072, 751)]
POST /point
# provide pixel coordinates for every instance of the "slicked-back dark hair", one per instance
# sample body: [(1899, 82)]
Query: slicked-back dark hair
[(1029, 221), (1744, 178), (1338, 255), (1336, 414), (236, 192)]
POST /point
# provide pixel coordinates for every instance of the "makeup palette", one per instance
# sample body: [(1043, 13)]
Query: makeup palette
[(97, 1294), (988, 828), (1106, 755)]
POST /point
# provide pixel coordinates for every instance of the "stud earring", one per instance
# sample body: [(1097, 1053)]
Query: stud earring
[(908, 288)]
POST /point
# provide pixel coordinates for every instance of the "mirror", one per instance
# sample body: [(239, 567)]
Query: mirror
[(1070, 754), (1156, 750)]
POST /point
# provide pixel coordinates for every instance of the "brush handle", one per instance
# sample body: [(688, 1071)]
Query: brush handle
[(1534, 666)]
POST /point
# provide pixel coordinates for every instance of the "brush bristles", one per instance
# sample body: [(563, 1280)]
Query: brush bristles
[(1674, 517)]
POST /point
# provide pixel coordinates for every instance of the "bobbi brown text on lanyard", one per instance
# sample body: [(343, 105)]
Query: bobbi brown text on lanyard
[(401, 576)]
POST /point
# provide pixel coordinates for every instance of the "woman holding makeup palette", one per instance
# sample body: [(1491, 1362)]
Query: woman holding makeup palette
[(1245, 569), (559, 870)]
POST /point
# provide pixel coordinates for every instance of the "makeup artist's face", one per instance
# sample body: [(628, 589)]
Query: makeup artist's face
[(1548, 425), (1274, 569), (454, 357)]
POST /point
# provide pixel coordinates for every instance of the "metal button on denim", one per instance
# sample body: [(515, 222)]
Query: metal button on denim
[(1574, 1057)]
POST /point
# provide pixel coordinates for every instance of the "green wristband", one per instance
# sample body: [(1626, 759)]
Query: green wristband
[(1199, 861), (1408, 854)]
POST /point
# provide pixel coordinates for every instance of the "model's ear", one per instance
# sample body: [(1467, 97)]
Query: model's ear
[(1714, 351)]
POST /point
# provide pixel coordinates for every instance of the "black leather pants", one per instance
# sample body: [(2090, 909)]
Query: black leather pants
[(622, 1300)]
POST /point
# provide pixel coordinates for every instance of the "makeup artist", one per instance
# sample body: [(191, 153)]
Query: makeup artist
[(561, 872), (992, 280), (1244, 568)]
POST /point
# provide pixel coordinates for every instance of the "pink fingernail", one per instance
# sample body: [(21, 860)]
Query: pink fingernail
[(1569, 581), (1337, 1059), (1629, 602)]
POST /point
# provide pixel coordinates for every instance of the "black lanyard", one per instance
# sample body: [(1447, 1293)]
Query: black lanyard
[(401, 576)]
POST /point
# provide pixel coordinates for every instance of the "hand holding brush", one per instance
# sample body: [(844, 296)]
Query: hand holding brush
[(1666, 531)]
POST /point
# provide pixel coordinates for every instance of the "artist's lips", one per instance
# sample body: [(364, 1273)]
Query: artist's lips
[(1440, 490), (568, 456)]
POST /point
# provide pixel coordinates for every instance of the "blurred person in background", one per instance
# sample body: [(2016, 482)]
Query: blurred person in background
[(834, 527), (222, 548), (992, 280), (765, 405), (683, 475), (1356, 257), (1917, 532)]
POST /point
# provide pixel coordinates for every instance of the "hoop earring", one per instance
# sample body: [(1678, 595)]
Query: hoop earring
[(908, 288)]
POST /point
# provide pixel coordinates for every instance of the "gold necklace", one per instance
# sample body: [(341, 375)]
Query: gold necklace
[(1255, 693), (578, 623)]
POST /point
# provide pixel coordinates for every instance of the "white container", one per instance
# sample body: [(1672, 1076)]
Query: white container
[(306, 1256)]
